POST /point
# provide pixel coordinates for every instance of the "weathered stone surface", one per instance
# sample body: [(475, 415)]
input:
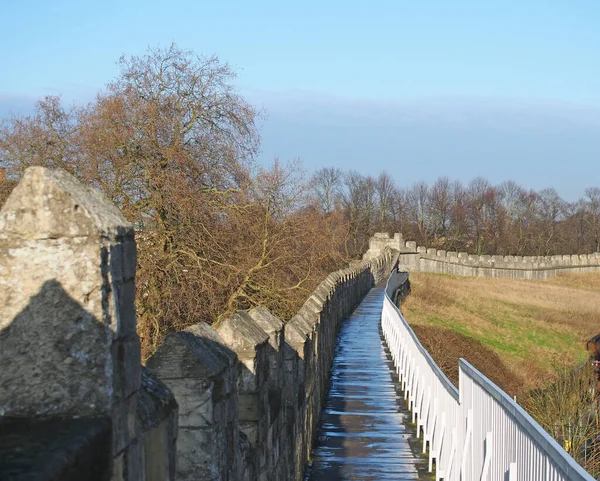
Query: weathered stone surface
[(54, 357), (51, 204), (249, 394), (411, 246), (158, 414), (513, 267), (155, 402), (381, 241), (201, 371), (242, 334), (58, 266), (55, 449), (68, 345), (269, 323)]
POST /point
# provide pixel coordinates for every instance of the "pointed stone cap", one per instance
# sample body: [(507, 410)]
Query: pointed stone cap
[(155, 401), (241, 333), (270, 324), (51, 204), (197, 352), (297, 334)]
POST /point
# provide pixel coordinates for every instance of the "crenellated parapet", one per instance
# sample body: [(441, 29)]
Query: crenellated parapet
[(422, 259), (250, 399), (236, 401)]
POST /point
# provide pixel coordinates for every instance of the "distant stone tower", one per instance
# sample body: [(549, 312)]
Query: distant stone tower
[(381, 240)]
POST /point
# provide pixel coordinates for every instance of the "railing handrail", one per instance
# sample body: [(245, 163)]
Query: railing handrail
[(546, 442), (451, 388), (480, 400)]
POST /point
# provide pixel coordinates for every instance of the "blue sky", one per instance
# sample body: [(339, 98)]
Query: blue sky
[(506, 90)]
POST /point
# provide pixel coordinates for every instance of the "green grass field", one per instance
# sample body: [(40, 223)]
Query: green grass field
[(535, 328)]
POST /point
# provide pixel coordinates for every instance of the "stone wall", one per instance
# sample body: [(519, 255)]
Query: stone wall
[(237, 401), (251, 390), (74, 403), (422, 259)]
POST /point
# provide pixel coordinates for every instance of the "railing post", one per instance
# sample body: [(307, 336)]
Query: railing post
[(415, 397), (452, 454), (468, 434), (448, 417), (488, 456)]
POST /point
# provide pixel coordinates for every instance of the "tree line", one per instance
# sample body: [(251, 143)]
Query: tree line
[(173, 144), (476, 217)]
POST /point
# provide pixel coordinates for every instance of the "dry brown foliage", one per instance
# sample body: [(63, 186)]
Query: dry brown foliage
[(568, 410), (6, 186), (172, 143)]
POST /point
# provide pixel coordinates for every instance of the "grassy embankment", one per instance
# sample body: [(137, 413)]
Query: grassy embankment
[(521, 334)]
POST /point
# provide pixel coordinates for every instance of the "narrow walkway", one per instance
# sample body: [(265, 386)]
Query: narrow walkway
[(362, 434)]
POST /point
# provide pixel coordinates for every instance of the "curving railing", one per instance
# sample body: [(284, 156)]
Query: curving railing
[(477, 433)]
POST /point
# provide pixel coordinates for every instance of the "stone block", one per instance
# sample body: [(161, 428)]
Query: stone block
[(202, 460), (249, 407), (157, 445), (124, 299), (242, 334), (55, 357), (52, 204), (55, 449), (202, 373), (126, 424), (297, 333), (198, 352), (157, 412), (127, 373), (58, 315), (271, 324)]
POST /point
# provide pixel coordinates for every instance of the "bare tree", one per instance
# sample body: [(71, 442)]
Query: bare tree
[(552, 209), (173, 144), (359, 203), (484, 214), (417, 201), (327, 184), (397, 211), (384, 186), (440, 205), (459, 227), (45, 138), (592, 207)]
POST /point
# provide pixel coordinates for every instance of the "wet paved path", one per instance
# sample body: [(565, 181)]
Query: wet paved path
[(362, 434)]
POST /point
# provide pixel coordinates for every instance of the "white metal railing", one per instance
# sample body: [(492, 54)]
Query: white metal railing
[(476, 434)]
